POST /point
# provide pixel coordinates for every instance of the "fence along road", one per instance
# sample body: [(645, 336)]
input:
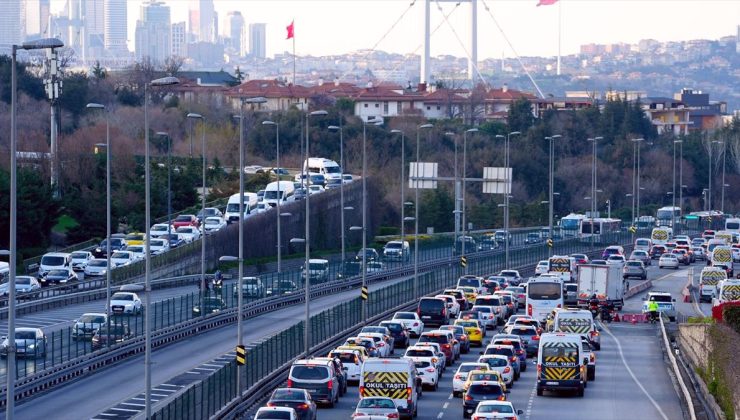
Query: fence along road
[(171, 306)]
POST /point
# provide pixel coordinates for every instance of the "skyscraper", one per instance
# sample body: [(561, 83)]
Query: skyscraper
[(201, 17), (233, 28), (10, 23), (257, 41), (94, 21), (179, 39), (35, 15), (153, 36), (115, 26)]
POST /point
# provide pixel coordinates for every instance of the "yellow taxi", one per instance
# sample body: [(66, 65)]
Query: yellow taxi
[(362, 350), (484, 375), (473, 329), (470, 293), (134, 238)]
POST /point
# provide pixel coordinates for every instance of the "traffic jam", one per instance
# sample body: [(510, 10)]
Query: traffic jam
[(478, 340)]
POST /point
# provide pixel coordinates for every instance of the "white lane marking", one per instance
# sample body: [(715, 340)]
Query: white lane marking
[(530, 402), (634, 378), (444, 407), (174, 386), (124, 409), (440, 415), (449, 397)]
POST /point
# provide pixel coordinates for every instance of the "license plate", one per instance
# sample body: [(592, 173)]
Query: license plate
[(551, 383), (425, 317)]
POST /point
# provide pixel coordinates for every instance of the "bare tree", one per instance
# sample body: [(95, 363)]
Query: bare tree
[(173, 64)]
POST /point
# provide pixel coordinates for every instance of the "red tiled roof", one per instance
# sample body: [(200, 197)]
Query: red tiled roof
[(269, 89), (385, 94), (338, 90), (508, 95), (446, 96)]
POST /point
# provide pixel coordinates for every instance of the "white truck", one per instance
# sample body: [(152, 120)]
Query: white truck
[(278, 191), (709, 279), (232, 206), (326, 167), (562, 266), (603, 280)]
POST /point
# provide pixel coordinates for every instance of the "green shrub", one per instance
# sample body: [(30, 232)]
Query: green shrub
[(388, 230), (701, 320), (731, 316)]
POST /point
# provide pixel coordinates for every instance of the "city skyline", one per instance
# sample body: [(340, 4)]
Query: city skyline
[(312, 30)]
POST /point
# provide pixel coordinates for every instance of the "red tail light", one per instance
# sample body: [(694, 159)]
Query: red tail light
[(478, 331), (468, 398), (445, 346), (271, 404), (529, 310), (513, 358), (330, 385), (539, 370), (536, 337), (290, 383), (416, 324), (560, 306), (431, 370), (520, 351), (303, 406), (502, 397), (393, 415), (507, 369), (478, 418), (458, 376), (362, 391)]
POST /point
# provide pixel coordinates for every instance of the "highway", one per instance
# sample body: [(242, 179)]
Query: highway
[(632, 378)]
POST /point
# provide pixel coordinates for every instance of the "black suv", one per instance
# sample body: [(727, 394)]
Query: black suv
[(432, 311), (480, 391)]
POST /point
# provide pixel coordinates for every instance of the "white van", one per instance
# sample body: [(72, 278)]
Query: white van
[(661, 235), (281, 191), (561, 364), (732, 225), (326, 167), (232, 207), (54, 260), (643, 244), (709, 280), (392, 378), (729, 291)]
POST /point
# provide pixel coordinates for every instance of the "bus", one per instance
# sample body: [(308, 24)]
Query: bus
[(667, 216), (544, 293), (600, 229), (701, 220), (570, 225)]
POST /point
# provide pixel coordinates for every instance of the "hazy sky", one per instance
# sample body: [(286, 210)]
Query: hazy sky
[(338, 26)]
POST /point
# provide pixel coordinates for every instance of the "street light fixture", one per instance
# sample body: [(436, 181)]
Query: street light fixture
[(465, 174), (307, 239), (279, 193), (46, 43), (164, 81), (193, 116), (239, 282), (339, 129), (506, 193), (402, 186), (552, 184), (416, 207), (95, 106)]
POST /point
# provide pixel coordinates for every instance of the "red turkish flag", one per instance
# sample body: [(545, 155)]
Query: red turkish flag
[(546, 2), (291, 34)]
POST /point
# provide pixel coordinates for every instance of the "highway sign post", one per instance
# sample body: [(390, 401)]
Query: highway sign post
[(241, 355), (463, 261), (364, 293)]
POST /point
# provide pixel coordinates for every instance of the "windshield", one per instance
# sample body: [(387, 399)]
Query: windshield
[(495, 361), (307, 372), (544, 291), (79, 255), (484, 389), (419, 353), (732, 225), (52, 261), (62, 273), (97, 263), (184, 230), (392, 327), (122, 296), (158, 228), (393, 245), (22, 280), (123, 255), (661, 298), (316, 266), (569, 224), (376, 403), (137, 249), (92, 319), (404, 315), (273, 415), (495, 408), (183, 218), (25, 335), (634, 264), (288, 395), (344, 357), (468, 282)]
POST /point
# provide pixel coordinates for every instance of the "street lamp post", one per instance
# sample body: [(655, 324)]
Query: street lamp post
[(709, 192), (403, 173), (240, 280), (48, 43), (94, 106), (680, 180), (279, 193), (307, 328), (416, 208), (594, 180), (507, 195), (364, 214), (552, 185), (341, 186), (169, 178), (192, 116), (465, 174), (165, 81), (637, 143), (456, 189), (724, 160)]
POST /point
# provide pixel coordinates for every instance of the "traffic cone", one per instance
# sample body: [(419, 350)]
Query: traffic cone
[(616, 317)]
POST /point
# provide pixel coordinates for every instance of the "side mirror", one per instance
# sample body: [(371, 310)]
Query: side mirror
[(599, 329), (519, 412), (480, 352), (674, 299)]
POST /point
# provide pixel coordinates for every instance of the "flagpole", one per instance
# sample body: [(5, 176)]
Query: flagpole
[(560, 27), (293, 23)]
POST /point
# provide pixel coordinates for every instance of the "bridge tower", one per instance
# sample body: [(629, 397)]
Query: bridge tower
[(473, 51)]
